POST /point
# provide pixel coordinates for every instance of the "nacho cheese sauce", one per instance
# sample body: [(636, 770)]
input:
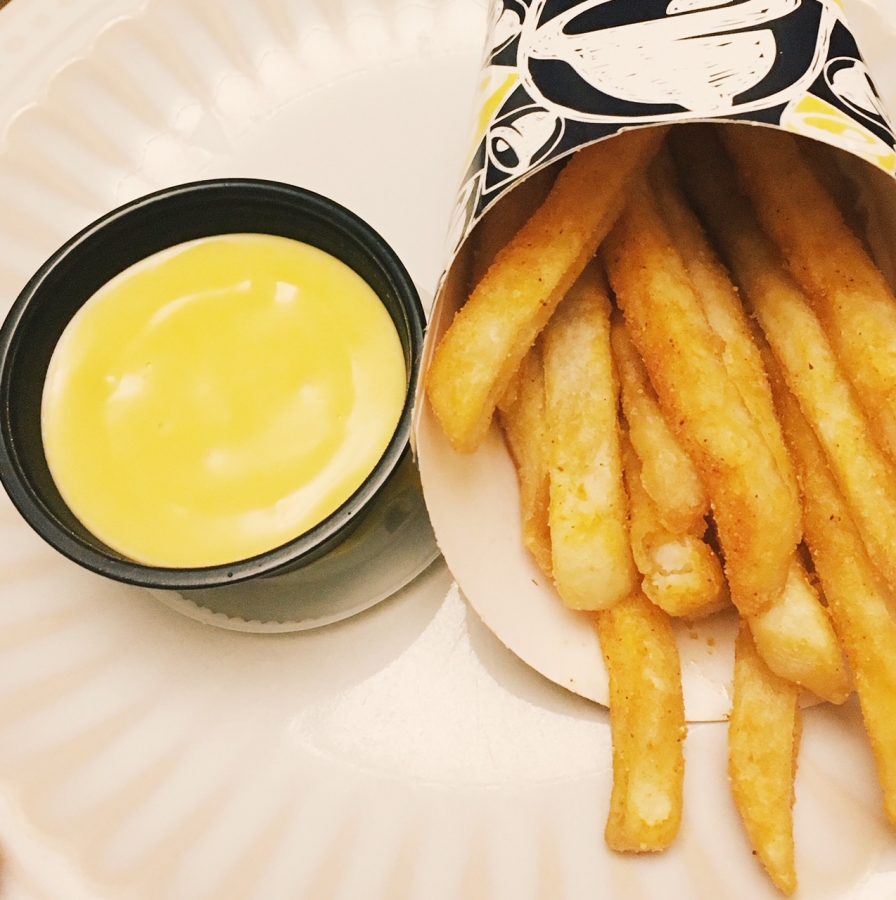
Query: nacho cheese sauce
[(220, 398)]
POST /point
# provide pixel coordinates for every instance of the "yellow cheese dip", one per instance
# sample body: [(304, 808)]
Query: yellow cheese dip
[(221, 398)]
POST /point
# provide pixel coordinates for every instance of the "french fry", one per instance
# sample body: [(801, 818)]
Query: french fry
[(592, 561), (647, 722), (492, 234), (485, 344), (753, 508), (525, 429), (725, 314), (794, 635), (667, 473), (828, 261), (859, 602), (800, 345), (797, 641), (763, 745), (680, 573)]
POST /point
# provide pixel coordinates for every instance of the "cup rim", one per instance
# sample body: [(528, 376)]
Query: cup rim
[(28, 500)]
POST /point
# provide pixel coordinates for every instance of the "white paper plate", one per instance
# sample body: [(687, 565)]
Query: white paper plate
[(403, 753)]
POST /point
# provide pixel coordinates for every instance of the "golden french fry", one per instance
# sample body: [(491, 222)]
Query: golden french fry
[(485, 344), (797, 641), (667, 473), (680, 573), (592, 561), (763, 744), (860, 603), (801, 347), (758, 525), (647, 722), (829, 263), (725, 314), (794, 635), (494, 232), (525, 429)]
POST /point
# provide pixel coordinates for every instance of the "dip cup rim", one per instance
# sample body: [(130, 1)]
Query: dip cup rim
[(88, 551)]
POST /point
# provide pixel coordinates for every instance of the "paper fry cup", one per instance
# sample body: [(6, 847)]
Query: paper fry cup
[(560, 75)]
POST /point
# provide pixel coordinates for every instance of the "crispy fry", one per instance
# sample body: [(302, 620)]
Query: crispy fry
[(680, 573), (794, 635), (647, 721), (846, 288), (667, 473), (801, 347), (525, 429), (763, 745), (493, 233), (797, 641), (725, 314), (751, 502), (592, 562), (859, 601), (485, 344)]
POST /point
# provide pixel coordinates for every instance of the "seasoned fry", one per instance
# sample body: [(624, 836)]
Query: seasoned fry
[(592, 561), (485, 344), (680, 573), (794, 635), (725, 314), (525, 429), (797, 641), (846, 288), (667, 473), (859, 601), (493, 233), (799, 343), (758, 526), (763, 745), (647, 722)]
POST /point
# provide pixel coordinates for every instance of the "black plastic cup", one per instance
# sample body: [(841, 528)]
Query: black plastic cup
[(110, 245)]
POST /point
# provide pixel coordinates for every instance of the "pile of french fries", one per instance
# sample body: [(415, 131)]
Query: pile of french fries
[(692, 356)]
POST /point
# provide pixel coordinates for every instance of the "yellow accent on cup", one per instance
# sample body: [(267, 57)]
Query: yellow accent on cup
[(220, 398), (816, 118), (494, 87)]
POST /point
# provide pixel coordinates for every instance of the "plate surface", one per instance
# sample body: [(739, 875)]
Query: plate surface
[(403, 753)]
